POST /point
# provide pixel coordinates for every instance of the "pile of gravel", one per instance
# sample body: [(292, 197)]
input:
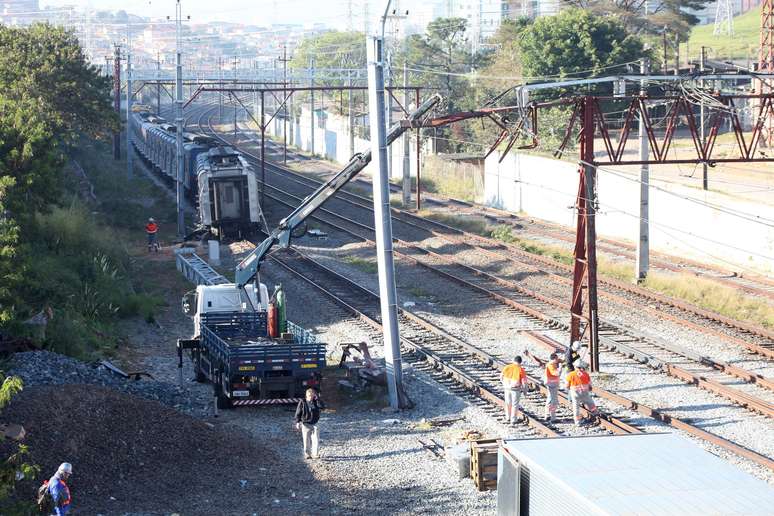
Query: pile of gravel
[(136, 456), (47, 368)]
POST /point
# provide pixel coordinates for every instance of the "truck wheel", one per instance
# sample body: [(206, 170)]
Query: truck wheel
[(223, 401), (200, 376)]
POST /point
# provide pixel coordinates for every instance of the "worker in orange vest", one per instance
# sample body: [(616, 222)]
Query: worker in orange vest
[(551, 377), (514, 379), (151, 228), (579, 384)]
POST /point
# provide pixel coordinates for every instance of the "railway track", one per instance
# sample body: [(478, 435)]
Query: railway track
[(751, 337), (469, 365), (751, 283), (714, 376), (477, 371)]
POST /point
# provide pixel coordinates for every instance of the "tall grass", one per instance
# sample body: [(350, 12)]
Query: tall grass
[(80, 269), (452, 179), (703, 293)]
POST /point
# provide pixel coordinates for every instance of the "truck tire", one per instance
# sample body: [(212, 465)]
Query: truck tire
[(200, 376), (223, 401)]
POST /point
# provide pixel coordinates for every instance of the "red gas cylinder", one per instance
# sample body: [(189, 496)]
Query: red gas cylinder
[(272, 321)]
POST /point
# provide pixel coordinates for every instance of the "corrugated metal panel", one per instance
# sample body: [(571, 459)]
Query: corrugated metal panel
[(658, 474)]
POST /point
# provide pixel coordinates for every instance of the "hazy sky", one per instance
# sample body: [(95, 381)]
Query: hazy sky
[(260, 12)]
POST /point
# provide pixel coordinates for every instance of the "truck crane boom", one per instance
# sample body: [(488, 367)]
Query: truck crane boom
[(248, 268)]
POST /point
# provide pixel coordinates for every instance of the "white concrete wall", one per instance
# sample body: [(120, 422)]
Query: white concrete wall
[(546, 188), (332, 140)]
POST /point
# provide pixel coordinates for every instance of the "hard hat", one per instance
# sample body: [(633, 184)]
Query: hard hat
[(65, 467), (582, 364), (151, 219), (576, 345)]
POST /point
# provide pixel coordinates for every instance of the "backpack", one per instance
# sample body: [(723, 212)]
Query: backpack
[(45, 500)]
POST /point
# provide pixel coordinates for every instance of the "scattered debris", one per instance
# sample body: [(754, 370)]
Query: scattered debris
[(316, 233), (13, 431), (409, 304), (433, 447)]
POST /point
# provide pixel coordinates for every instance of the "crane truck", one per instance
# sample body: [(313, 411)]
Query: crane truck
[(237, 345)]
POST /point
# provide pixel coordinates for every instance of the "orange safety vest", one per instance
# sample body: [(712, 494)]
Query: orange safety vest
[(578, 381), (151, 227), (67, 490), (552, 373), (514, 375)]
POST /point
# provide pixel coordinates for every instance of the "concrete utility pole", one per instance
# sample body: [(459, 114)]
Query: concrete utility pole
[(383, 224), (704, 178), (179, 120), (129, 153), (129, 90), (236, 61), (284, 60), (220, 93), (351, 115), (117, 100), (643, 242), (311, 103), (158, 83), (406, 145)]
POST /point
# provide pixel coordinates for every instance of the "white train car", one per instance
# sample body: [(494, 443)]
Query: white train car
[(228, 193)]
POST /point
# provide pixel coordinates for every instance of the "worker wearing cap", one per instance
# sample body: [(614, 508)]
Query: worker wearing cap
[(151, 228), (579, 384), (514, 379), (60, 493), (551, 377)]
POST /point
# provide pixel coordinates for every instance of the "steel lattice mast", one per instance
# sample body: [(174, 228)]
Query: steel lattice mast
[(766, 60)]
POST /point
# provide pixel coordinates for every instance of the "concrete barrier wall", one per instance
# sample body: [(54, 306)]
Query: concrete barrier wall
[(546, 188), (331, 140)]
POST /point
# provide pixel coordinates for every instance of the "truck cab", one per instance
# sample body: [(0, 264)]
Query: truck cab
[(224, 298)]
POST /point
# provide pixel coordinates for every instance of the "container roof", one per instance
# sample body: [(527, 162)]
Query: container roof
[(645, 474)]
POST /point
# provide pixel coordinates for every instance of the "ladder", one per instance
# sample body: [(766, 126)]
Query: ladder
[(195, 269)]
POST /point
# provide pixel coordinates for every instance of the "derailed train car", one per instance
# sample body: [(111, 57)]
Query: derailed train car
[(216, 178), (228, 193)]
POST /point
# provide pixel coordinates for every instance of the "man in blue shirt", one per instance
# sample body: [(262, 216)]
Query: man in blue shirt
[(60, 493)]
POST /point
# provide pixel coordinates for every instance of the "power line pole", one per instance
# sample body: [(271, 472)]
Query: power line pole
[(236, 61), (284, 60), (179, 119), (351, 114), (704, 178), (117, 99), (129, 89), (406, 145), (220, 93), (129, 92), (383, 224), (643, 242), (158, 84), (311, 103)]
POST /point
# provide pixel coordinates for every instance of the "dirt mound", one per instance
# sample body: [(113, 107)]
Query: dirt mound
[(135, 455)]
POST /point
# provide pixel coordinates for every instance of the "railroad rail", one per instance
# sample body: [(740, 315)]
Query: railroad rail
[(472, 367), (753, 338), (455, 369), (705, 373), (755, 284)]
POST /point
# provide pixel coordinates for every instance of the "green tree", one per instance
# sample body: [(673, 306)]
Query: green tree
[(575, 42), (676, 15)]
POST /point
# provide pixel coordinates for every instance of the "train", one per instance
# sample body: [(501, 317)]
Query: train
[(217, 178)]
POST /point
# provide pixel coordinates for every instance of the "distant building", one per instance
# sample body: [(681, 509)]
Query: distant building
[(19, 12)]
